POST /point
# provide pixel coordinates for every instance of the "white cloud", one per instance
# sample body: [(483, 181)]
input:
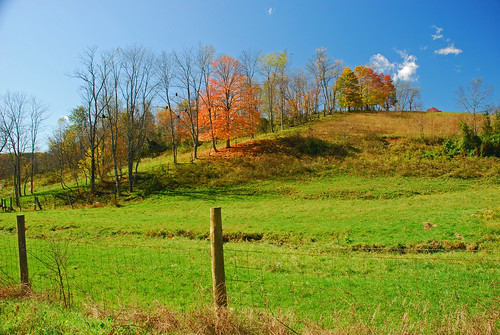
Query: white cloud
[(381, 64), (438, 34), (450, 49), (270, 11), (404, 71), (407, 70)]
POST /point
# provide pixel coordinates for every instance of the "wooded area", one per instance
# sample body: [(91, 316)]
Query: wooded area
[(135, 104)]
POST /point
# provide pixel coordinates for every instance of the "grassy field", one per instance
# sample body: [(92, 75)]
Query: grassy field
[(340, 210), (367, 227)]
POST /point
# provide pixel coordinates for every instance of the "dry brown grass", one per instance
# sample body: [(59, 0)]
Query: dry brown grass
[(205, 322), (367, 144), (164, 321), (10, 292), (390, 124)]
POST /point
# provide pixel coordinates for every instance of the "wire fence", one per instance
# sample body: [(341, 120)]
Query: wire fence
[(318, 284), (310, 282)]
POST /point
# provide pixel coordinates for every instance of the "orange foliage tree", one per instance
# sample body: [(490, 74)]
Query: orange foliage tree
[(389, 91), (229, 106), (375, 88)]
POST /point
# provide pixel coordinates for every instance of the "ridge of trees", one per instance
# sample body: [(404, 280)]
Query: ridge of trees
[(135, 103)]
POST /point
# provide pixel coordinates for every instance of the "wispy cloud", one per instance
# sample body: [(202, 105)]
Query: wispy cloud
[(381, 64), (403, 71), (270, 11), (438, 34), (450, 49)]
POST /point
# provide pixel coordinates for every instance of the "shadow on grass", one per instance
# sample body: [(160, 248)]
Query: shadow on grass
[(292, 156), (235, 192), (296, 146)]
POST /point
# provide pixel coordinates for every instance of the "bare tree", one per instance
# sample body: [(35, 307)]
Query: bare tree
[(138, 90), (325, 73), (249, 63), (166, 73), (13, 120), (38, 112), (4, 130), (302, 96), (192, 66), (474, 99), (93, 75), (205, 58), (408, 96), (113, 109)]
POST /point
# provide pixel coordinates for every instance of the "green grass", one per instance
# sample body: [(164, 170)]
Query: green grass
[(39, 317), (301, 257), (344, 210), (316, 283)]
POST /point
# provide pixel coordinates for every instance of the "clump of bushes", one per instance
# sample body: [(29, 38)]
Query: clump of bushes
[(486, 143)]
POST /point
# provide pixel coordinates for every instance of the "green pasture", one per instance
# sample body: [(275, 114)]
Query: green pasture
[(315, 284), (307, 246), (342, 211)]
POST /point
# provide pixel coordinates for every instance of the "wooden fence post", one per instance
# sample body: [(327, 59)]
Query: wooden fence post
[(23, 255), (218, 273)]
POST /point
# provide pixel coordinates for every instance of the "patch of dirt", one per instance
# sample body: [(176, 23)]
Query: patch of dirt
[(428, 225)]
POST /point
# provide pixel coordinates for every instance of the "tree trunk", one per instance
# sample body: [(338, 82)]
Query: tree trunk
[(32, 170), (92, 168), (135, 170), (212, 129), (174, 148), (115, 166), (130, 163)]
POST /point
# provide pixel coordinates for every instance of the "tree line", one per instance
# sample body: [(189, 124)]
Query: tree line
[(134, 103), (21, 117)]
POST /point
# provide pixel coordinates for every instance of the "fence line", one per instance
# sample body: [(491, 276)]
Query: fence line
[(310, 283)]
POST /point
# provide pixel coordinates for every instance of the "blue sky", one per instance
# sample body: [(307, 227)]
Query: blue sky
[(439, 45)]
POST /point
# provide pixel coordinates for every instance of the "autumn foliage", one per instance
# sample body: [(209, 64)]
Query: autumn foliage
[(230, 105), (365, 88)]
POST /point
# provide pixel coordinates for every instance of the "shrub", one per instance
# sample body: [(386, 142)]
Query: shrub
[(451, 147), (486, 144)]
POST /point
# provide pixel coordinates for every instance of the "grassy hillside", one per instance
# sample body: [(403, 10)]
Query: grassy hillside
[(354, 223)]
